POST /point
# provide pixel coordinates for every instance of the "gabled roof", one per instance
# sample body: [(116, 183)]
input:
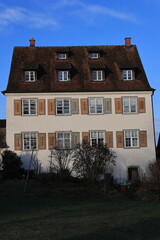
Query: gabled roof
[(44, 60)]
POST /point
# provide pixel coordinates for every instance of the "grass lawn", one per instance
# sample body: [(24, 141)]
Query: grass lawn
[(72, 213)]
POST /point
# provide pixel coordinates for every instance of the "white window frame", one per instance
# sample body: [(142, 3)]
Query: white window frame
[(94, 55), (29, 105), (95, 105), (127, 74), (30, 141), (63, 140), (95, 138), (130, 103), (97, 75), (30, 76), (63, 76), (60, 104), (62, 56), (130, 138)]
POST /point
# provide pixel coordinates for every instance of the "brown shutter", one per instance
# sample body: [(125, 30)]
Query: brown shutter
[(143, 138), (141, 105), (119, 138), (18, 141), (51, 140), (41, 106), (118, 105), (109, 139), (42, 141), (84, 106), (75, 139), (17, 107), (75, 106), (85, 138), (107, 105), (51, 107)]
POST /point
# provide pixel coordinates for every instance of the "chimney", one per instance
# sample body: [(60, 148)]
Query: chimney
[(32, 42), (127, 41)]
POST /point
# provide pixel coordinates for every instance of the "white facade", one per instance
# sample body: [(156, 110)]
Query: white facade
[(126, 157)]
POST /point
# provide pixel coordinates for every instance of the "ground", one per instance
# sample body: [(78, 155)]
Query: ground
[(72, 212)]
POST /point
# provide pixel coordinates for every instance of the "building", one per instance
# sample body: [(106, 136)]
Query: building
[(60, 96)]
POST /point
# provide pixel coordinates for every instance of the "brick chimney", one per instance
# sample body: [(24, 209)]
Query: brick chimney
[(127, 41), (32, 42)]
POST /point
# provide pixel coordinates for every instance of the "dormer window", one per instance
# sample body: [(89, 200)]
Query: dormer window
[(127, 75), (63, 76), (62, 56), (94, 55), (30, 76), (97, 75)]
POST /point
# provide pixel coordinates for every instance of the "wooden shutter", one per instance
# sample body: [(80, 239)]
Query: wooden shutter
[(141, 105), (17, 107), (109, 139), (51, 140), (18, 141), (75, 139), (75, 106), (41, 106), (84, 106), (118, 105), (107, 105), (42, 141), (143, 138), (51, 107), (85, 138), (119, 139)]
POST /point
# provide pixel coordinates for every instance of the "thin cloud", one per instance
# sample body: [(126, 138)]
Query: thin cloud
[(17, 15)]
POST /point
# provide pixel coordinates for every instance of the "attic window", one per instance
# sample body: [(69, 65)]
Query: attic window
[(62, 56), (97, 75), (127, 75), (30, 76), (94, 55)]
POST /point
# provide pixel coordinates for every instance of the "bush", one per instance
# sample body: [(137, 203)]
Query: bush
[(11, 164)]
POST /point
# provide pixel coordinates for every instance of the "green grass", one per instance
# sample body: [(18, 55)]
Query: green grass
[(72, 213)]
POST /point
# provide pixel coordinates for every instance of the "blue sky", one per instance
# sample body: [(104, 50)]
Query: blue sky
[(82, 22)]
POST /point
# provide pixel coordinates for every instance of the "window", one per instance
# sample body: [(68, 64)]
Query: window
[(95, 105), (63, 76), (94, 55), (97, 76), (131, 138), (62, 56), (97, 138), (29, 141), (63, 140), (63, 106), (30, 76), (29, 106), (127, 75), (130, 105)]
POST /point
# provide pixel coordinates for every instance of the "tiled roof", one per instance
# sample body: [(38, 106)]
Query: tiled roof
[(44, 60)]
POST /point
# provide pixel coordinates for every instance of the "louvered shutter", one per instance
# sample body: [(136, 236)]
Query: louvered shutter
[(75, 106), (109, 139), (75, 139), (141, 105), (41, 106), (107, 105), (51, 107), (42, 141), (143, 138), (18, 141), (84, 106), (17, 107), (51, 140), (119, 139), (118, 105), (85, 138)]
